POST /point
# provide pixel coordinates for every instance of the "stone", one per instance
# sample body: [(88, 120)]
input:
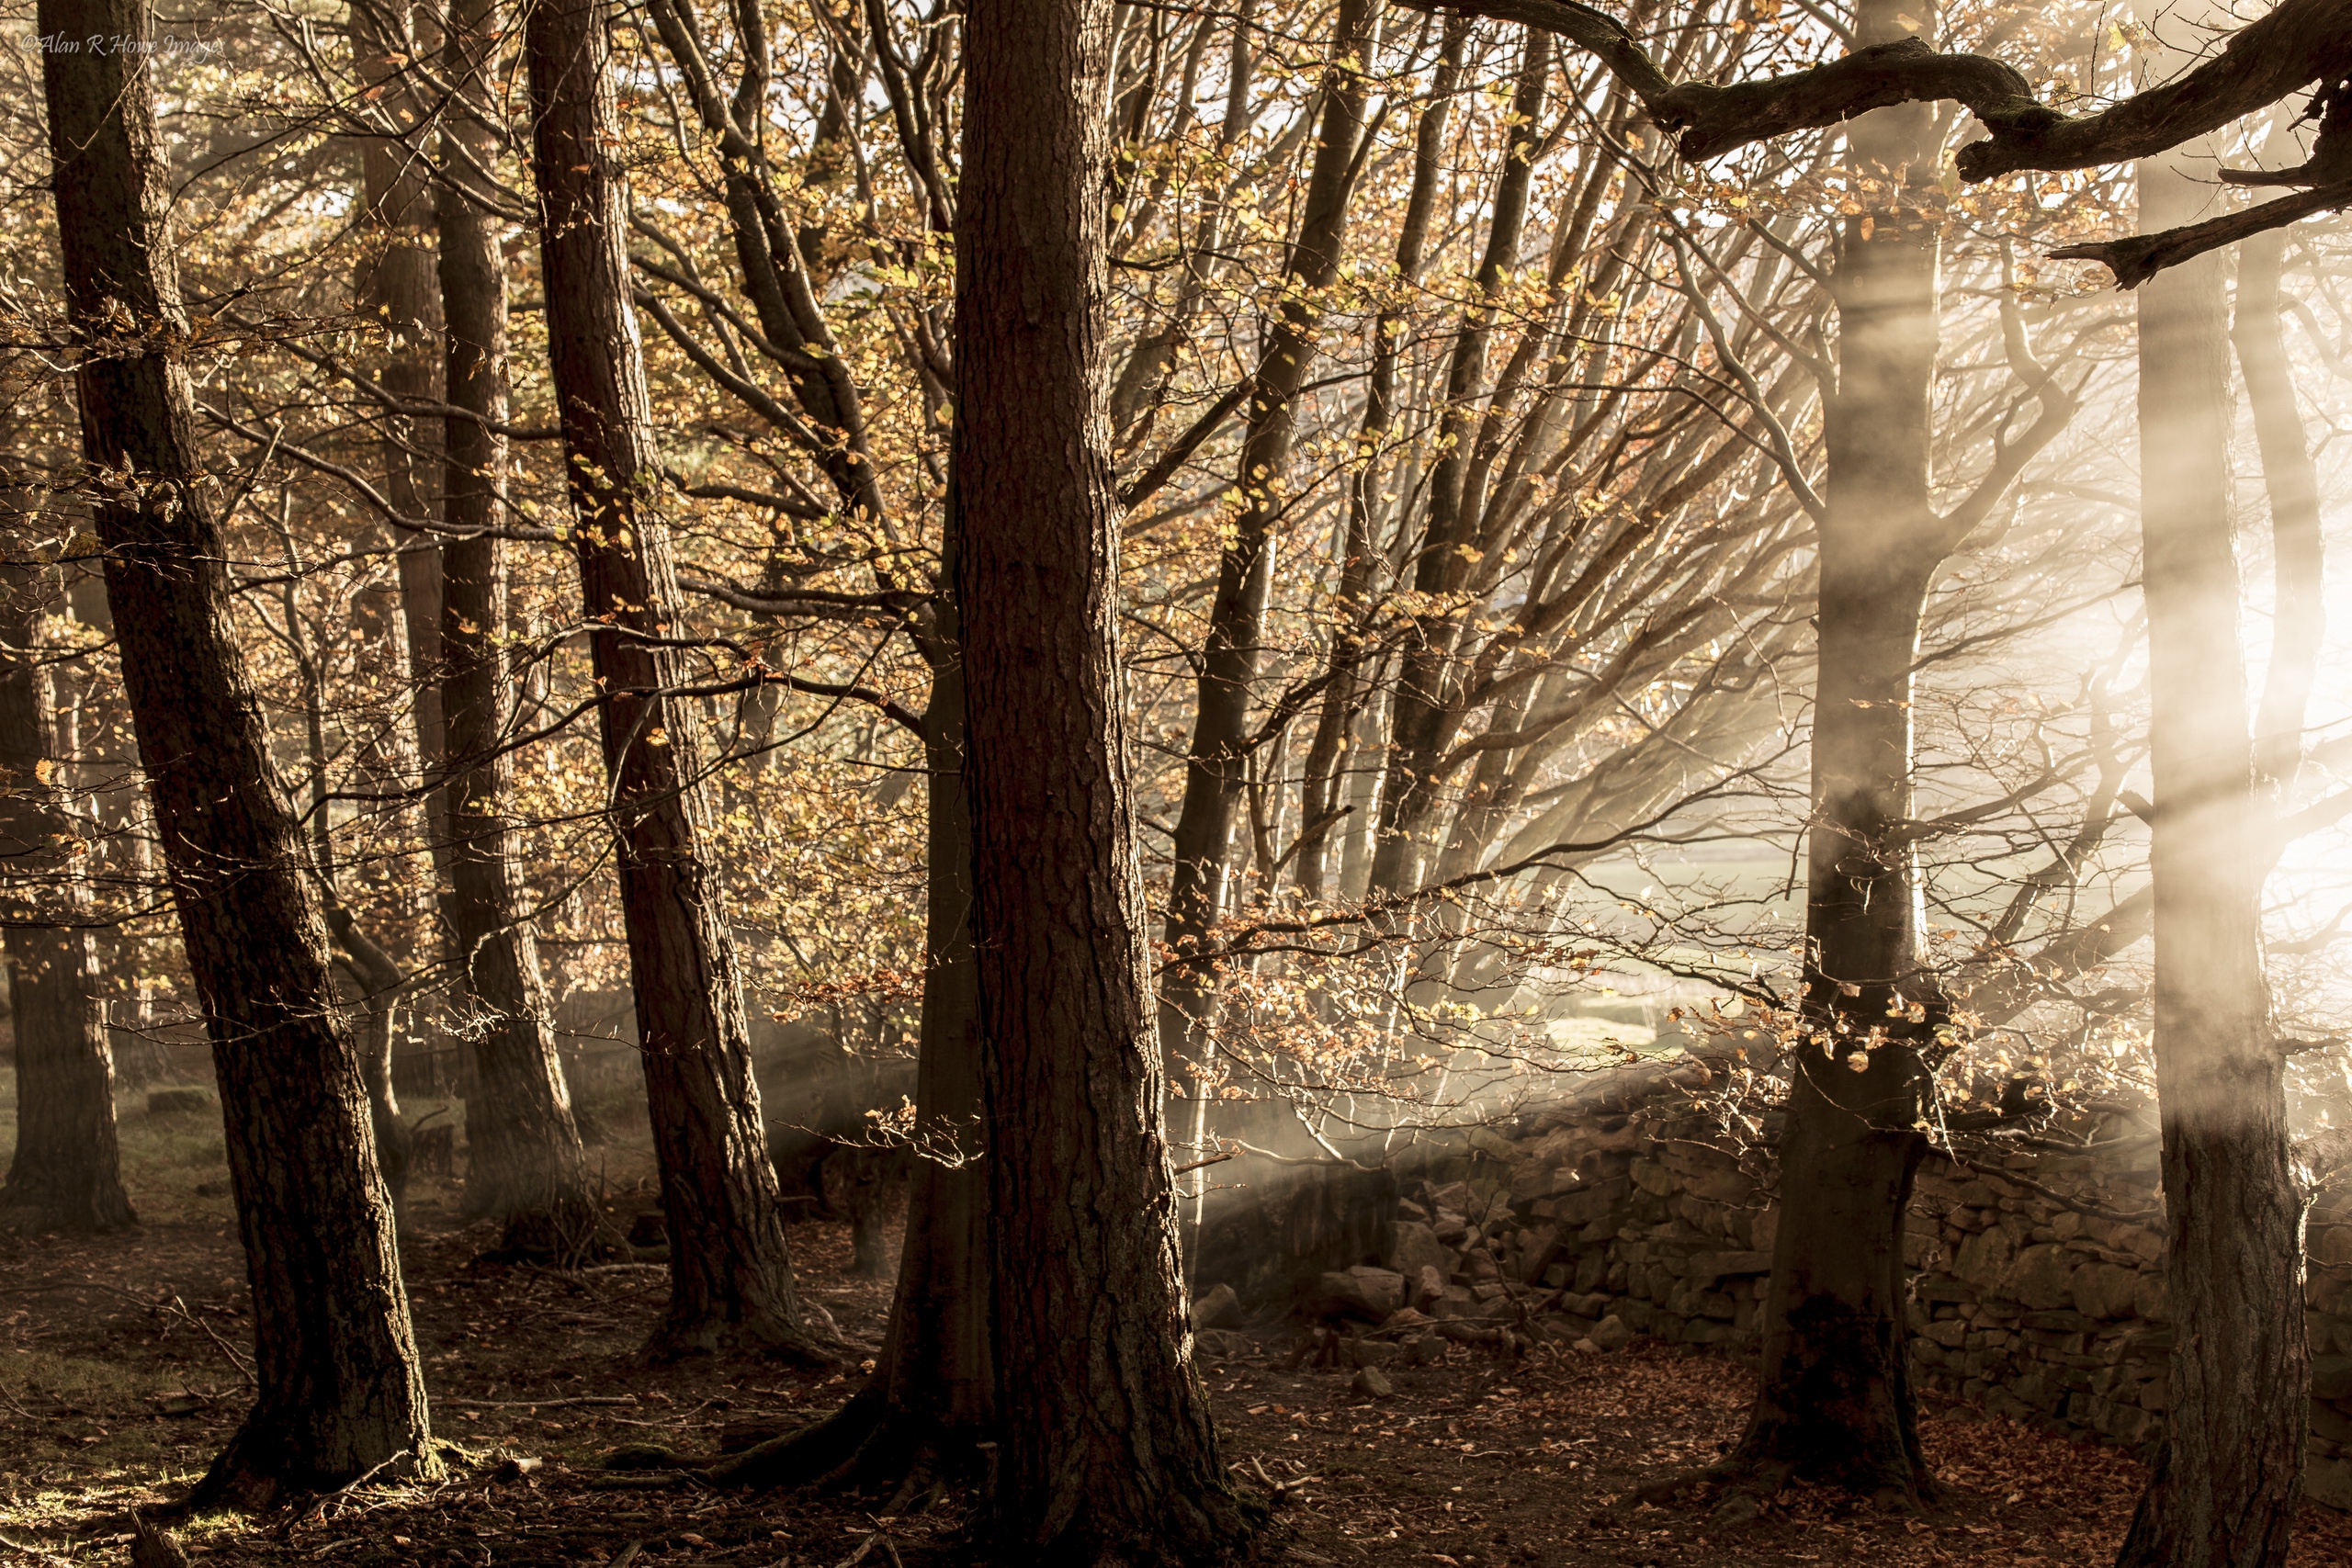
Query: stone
[(1538, 1246), (1372, 1384), (1611, 1334), (1947, 1332), (1429, 1286), (1413, 1247), (2332, 1378), (2329, 1481), (1219, 1309), (2330, 1244), (1585, 1347), (1362, 1291), (2148, 1298), (2103, 1290), (1710, 1266), (1984, 1258), (1221, 1345), (2041, 1276), (1369, 1352)]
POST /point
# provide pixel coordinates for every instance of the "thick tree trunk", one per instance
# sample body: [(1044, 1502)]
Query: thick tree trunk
[(2224, 1487), (67, 1172), (341, 1390), (1113, 1460), (730, 1273), (1216, 766), (1834, 1401), (525, 1167)]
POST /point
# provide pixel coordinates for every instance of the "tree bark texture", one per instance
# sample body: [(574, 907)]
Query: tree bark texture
[(1113, 1460), (67, 1171), (2224, 1486), (341, 1391), (524, 1165), (1834, 1401), (730, 1273)]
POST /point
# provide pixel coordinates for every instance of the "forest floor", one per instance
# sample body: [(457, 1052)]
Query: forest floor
[(121, 1373)]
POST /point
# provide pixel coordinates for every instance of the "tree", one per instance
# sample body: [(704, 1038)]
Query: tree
[(1113, 1460), (731, 1271), (524, 1164), (2224, 1485), (66, 1174), (341, 1391)]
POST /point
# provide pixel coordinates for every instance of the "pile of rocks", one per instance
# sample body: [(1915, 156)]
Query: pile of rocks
[(1640, 1207)]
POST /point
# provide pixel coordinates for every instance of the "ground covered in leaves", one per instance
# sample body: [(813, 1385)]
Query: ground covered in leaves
[(121, 1372)]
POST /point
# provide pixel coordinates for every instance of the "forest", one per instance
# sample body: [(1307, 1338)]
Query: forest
[(1151, 783)]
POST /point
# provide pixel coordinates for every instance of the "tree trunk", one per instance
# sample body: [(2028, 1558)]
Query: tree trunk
[(394, 288), (341, 1391), (1114, 1459), (1328, 759), (2298, 558), (930, 1400), (525, 1167), (67, 1173), (2224, 1486), (1219, 761), (1834, 1402), (730, 1272), (1425, 711)]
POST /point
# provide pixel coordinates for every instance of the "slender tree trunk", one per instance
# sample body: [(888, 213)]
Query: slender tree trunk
[(2224, 1486), (341, 1390), (1425, 711), (730, 1272), (1217, 764), (2298, 557), (525, 1167), (1113, 1460), (395, 288), (1322, 793), (1834, 1401), (67, 1173), (930, 1400)]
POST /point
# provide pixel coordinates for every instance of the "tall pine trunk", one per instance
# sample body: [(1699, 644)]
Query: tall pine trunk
[(1834, 1401), (67, 1172), (341, 1391), (730, 1273), (2225, 1483), (1114, 1459), (525, 1167)]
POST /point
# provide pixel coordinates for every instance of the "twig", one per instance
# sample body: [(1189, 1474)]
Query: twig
[(244, 1368), (538, 1403)]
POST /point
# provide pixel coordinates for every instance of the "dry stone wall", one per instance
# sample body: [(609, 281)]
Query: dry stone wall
[(1633, 1209)]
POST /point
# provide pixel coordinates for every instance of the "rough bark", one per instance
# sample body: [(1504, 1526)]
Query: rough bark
[(1834, 1400), (1113, 1460), (2223, 1489), (524, 1165), (730, 1272), (67, 1173), (341, 1392)]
